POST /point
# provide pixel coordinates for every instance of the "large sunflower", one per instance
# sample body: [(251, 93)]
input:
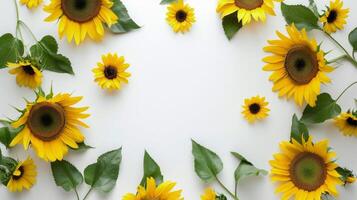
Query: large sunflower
[(247, 9), (151, 191), (111, 73), (51, 125), (298, 66), (26, 74), (255, 108), (77, 18), (334, 17), (31, 3), (347, 123), (24, 176), (305, 171), (180, 16)]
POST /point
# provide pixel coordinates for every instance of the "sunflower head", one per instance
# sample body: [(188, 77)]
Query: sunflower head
[(305, 170), (79, 18), (334, 17), (111, 73), (180, 16), (27, 74), (347, 123), (51, 125), (246, 9), (255, 108), (162, 191), (24, 176), (31, 3), (298, 66)]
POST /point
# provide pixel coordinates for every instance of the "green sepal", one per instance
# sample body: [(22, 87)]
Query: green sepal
[(82, 147), (345, 174), (300, 15), (221, 197), (11, 49), (231, 25), (151, 169), (298, 130), (125, 23)]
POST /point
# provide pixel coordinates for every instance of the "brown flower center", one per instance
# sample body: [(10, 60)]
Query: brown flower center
[(28, 70), (110, 72), (301, 64), (332, 16), (17, 177), (351, 121), (254, 108), (46, 120), (81, 10), (308, 171), (249, 4), (181, 16)]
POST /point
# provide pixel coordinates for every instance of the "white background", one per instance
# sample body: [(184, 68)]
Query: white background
[(182, 87)]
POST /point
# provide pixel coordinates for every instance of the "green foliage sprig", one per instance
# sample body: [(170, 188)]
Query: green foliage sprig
[(208, 165), (125, 23)]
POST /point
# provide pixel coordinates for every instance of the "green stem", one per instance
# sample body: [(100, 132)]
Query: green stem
[(226, 189), (348, 87), (235, 189), (348, 56), (90, 190), (28, 29), (337, 59), (75, 190)]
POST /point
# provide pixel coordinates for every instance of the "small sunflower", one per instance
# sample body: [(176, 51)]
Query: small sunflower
[(31, 3), (161, 192), (24, 176), (334, 17), (110, 74), (51, 125), (305, 171), (255, 108), (246, 9), (298, 65), (180, 16), (79, 18), (209, 194), (26, 74), (347, 123)]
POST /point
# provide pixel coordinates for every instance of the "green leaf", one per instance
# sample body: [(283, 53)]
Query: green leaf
[(8, 165), (66, 175), (298, 130), (207, 163), (125, 23), (300, 15), (246, 169), (167, 1), (45, 51), (352, 37), (11, 49), (8, 133), (103, 174), (151, 169), (231, 25), (313, 7), (326, 108), (82, 147)]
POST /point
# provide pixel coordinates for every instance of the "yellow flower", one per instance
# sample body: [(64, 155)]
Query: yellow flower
[(151, 192), (180, 16), (209, 194), (298, 66), (334, 17), (79, 18), (110, 74), (347, 123), (51, 125), (246, 9), (305, 171), (24, 176), (255, 108), (26, 74), (31, 3)]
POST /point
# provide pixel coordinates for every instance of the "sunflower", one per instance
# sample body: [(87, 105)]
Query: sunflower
[(246, 9), (334, 17), (255, 108), (347, 123), (209, 194), (111, 73), (24, 176), (31, 3), (305, 170), (26, 74), (50, 125), (180, 16), (161, 192), (298, 66), (77, 18)]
